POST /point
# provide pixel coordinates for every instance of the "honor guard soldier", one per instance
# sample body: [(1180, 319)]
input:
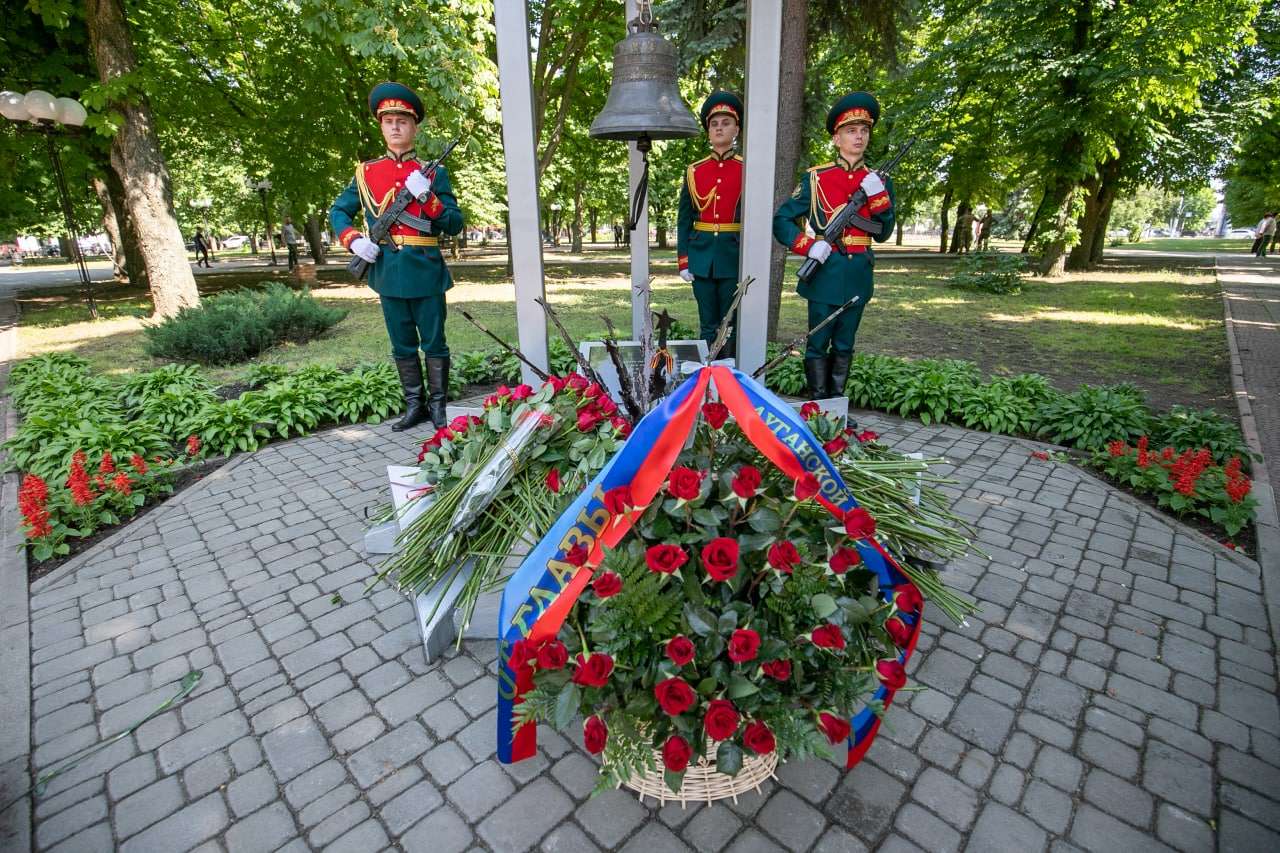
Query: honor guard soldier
[(407, 271), (822, 192), (710, 219)]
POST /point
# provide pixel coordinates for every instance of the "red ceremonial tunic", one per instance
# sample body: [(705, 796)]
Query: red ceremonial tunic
[(830, 187), (378, 182)]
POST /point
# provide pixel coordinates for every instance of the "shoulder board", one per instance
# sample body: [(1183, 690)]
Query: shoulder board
[(374, 160), (737, 157), (821, 166), (700, 162)]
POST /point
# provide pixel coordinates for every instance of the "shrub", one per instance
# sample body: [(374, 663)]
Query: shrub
[(990, 272), (932, 390), (787, 377), (234, 327), (171, 410), (874, 379), (1182, 427), (473, 368), (137, 391), (45, 443), (262, 374), (995, 407), (230, 425), (1093, 416), (296, 406), (368, 393)]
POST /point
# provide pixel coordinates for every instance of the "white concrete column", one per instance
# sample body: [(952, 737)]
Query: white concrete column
[(515, 87), (640, 236), (759, 151)]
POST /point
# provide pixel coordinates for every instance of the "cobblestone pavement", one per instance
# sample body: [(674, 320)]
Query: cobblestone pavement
[(1117, 691)]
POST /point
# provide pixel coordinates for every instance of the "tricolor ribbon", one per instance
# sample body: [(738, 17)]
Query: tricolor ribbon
[(539, 595)]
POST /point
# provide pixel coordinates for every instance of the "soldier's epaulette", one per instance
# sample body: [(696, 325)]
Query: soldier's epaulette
[(700, 162), (374, 160), (821, 166)]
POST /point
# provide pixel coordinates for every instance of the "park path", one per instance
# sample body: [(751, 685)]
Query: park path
[(1117, 691)]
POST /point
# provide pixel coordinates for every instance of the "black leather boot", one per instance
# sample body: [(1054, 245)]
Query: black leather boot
[(438, 388), (816, 376), (839, 374), (410, 371)]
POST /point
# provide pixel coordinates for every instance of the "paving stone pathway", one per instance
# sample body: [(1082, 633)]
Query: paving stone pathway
[(1117, 691)]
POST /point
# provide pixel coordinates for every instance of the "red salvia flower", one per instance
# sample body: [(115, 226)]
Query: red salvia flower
[(108, 464), (193, 445), (139, 464), (78, 482), (121, 484)]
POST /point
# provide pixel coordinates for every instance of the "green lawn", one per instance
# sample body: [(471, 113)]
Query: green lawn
[(1192, 244), (1158, 328)]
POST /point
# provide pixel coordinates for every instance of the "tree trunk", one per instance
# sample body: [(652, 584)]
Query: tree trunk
[(898, 240), (1036, 219), (137, 159), (593, 215), (135, 268), (253, 241), (1078, 259), (576, 245), (794, 59), (946, 205), (661, 228), (111, 226), (1109, 191), (1053, 262), (314, 240), (963, 220)]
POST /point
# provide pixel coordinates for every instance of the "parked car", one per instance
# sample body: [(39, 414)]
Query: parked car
[(1241, 232), (235, 241)]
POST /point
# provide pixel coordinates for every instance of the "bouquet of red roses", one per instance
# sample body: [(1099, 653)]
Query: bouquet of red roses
[(737, 619)]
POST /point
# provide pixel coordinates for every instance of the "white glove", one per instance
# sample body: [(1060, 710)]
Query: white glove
[(872, 184), (687, 276), (820, 251), (418, 184), (365, 248)]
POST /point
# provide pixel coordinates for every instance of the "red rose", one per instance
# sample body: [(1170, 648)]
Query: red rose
[(618, 500), (721, 720), (809, 410), (859, 524), (757, 738), (807, 486), (589, 419), (676, 753), (491, 401), (553, 480), (844, 559), (835, 728), (907, 598), (607, 407), (783, 556), (828, 637), (621, 424), (576, 381), (835, 446), (684, 483), (593, 671), (891, 673), (898, 631), (553, 655), (720, 558), (665, 558), (577, 555), (557, 384), (778, 670), (715, 413), (594, 735), (503, 391), (747, 481), (523, 653), (592, 391), (743, 645), (867, 435), (521, 392), (680, 650), (608, 584), (674, 695), (459, 424)]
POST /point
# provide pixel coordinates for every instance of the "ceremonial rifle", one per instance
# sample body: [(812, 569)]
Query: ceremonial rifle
[(849, 216), (382, 227)]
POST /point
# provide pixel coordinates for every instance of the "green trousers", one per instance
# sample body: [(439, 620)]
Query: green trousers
[(714, 296), (836, 336), (414, 324)]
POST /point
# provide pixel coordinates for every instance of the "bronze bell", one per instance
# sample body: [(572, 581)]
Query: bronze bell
[(644, 98)]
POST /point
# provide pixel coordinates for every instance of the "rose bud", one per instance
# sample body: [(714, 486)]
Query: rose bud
[(898, 631), (807, 486), (828, 637), (867, 435), (684, 483), (607, 585), (618, 500), (521, 392), (835, 728), (747, 482), (577, 555), (523, 653), (744, 644), (576, 381), (553, 655), (607, 407), (844, 559), (588, 419), (722, 719), (715, 413), (720, 558), (674, 696), (907, 598), (757, 738), (680, 650), (778, 670), (783, 556), (676, 753), (859, 524), (665, 559), (594, 735), (553, 480), (891, 673), (835, 446), (593, 671), (809, 410)]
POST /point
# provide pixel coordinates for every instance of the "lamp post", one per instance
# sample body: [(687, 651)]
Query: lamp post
[(262, 187), (49, 115)]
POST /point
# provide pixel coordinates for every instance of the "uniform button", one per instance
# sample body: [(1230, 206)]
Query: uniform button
[(717, 180)]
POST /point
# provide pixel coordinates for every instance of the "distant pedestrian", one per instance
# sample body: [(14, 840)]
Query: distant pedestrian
[(201, 244), (617, 236), (984, 231), (290, 235), (1262, 235)]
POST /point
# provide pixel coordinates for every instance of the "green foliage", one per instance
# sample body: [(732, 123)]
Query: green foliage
[(1093, 416), (787, 377), (263, 373), (45, 446), (230, 426), (139, 390), (171, 411), (990, 272), (233, 327), (874, 380), (291, 407), (1183, 427), (996, 407), (370, 393), (933, 389)]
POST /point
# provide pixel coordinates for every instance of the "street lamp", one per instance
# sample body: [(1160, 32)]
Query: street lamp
[(50, 115), (262, 187)]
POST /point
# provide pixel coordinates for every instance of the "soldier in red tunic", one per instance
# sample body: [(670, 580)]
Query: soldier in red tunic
[(709, 225), (407, 272)]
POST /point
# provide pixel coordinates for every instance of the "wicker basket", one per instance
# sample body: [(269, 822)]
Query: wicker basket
[(702, 782)]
